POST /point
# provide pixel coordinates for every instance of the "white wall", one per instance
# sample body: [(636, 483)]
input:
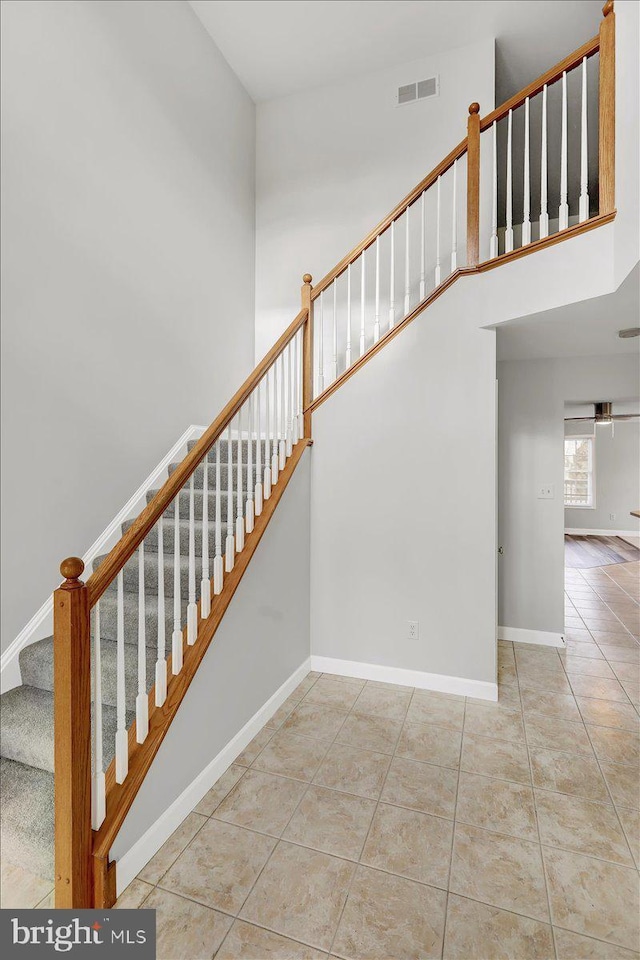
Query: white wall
[(402, 518), (332, 162), (262, 640), (127, 262), (627, 250), (532, 394), (617, 478)]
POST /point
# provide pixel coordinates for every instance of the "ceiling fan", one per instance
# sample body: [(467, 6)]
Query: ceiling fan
[(603, 414)]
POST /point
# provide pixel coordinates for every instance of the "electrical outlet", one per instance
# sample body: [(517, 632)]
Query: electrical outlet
[(414, 630), (546, 491), (612, 516)]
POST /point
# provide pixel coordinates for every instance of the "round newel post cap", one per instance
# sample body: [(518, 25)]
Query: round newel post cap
[(474, 108), (608, 8), (307, 278), (72, 569)]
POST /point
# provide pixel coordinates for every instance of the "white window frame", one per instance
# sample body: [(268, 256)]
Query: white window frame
[(583, 506)]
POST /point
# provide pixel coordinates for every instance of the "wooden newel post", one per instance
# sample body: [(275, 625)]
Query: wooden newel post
[(473, 185), (607, 111), (72, 727), (307, 354)]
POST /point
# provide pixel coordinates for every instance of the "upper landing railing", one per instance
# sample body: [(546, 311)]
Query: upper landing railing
[(180, 562), (525, 167)]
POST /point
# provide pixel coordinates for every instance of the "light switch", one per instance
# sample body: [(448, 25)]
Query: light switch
[(546, 491)]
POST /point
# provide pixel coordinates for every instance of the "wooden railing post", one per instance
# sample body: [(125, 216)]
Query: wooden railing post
[(473, 185), (72, 727), (307, 354), (607, 111)]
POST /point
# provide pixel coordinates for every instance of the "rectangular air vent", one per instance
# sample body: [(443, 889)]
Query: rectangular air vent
[(421, 90)]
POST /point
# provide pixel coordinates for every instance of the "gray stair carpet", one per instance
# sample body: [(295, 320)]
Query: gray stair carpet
[(26, 712)]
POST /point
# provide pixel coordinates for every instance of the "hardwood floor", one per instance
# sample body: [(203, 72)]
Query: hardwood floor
[(584, 552)]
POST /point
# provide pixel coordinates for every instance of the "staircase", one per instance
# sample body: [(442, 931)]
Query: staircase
[(128, 642), (27, 729)]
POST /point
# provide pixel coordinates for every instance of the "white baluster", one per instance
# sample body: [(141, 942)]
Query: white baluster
[(563, 212), (508, 236), (423, 250), (526, 222), (407, 264), (289, 350), (205, 582), (275, 460), (192, 606), (392, 277), (258, 498), (334, 334), (584, 156), (218, 563), (321, 346), (240, 487), (299, 384), (142, 700), (376, 320), (122, 739), (98, 792), (176, 636), (363, 292), (544, 215), (161, 662), (438, 271), (454, 220), (249, 509), (282, 446), (493, 243), (267, 451), (347, 358), (230, 542)]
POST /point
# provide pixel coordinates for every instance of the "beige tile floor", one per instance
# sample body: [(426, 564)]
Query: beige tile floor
[(373, 822)]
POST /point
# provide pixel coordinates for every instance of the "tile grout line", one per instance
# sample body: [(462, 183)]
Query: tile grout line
[(375, 811), (535, 813), (597, 759), (453, 832)]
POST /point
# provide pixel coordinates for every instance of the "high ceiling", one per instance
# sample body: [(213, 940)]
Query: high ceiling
[(586, 329), (279, 47)]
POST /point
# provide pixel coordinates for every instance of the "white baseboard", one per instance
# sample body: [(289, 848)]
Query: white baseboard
[(41, 624), (542, 637), (481, 689), (132, 862), (581, 532)]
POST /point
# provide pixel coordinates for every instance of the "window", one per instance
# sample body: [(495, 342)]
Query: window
[(579, 481)]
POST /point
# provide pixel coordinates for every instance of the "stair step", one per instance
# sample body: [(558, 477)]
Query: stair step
[(26, 817), (36, 666), (169, 538), (198, 475), (224, 450), (130, 574), (27, 734), (198, 498)]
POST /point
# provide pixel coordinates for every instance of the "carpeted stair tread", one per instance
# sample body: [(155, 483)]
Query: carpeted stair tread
[(36, 667), (27, 727), (26, 824), (130, 574), (169, 535)]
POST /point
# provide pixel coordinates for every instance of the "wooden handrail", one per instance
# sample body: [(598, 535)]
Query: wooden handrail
[(106, 573), (533, 247), (550, 76), (397, 211), (120, 796), (607, 111)]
